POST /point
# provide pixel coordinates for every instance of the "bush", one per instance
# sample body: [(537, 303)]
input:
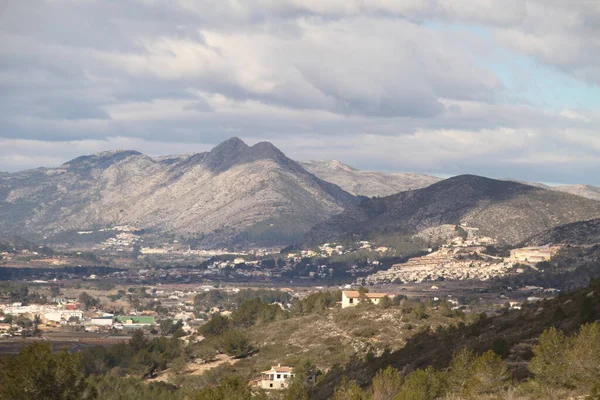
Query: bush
[(216, 326), (365, 332), (236, 344)]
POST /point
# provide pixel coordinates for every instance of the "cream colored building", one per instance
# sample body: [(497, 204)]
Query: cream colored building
[(350, 298), (278, 377), (533, 254)]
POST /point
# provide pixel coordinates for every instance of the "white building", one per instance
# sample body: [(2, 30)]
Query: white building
[(62, 315), (350, 298), (106, 320), (277, 377)]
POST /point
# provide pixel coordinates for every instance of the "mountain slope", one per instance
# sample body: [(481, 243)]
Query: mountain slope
[(367, 183), (233, 194), (506, 210), (576, 233), (587, 191)]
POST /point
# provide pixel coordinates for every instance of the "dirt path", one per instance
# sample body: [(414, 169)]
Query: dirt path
[(195, 368)]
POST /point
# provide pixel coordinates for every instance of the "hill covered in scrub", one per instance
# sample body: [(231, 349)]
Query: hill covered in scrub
[(576, 233), (512, 336), (508, 211), (546, 350)]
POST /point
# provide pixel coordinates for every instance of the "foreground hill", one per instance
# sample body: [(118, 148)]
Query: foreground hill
[(234, 194), (508, 211), (510, 335), (367, 183)]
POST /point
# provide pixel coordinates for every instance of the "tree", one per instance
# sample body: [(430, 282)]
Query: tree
[(87, 301), (54, 290), (305, 373), (236, 344), (144, 364), (423, 384), (583, 357), (460, 371), (362, 296), (165, 326), (385, 302), (230, 388), (138, 341), (37, 373), (216, 326), (349, 390), (548, 362), (490, 374), (386, 384), (37, 320)]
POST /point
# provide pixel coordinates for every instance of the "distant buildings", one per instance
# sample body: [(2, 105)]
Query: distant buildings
[(135, 321), (533, 254)]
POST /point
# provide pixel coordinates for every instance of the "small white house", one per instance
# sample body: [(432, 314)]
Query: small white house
[(278, 377), (350, 298)]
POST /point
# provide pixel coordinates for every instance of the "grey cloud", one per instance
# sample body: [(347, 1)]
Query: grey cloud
[(284, 70)]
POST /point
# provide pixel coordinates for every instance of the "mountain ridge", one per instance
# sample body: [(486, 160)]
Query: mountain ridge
[(234, 193), (367, 183), (509, 211)]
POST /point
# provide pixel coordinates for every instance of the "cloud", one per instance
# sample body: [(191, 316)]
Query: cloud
[(411, 84)]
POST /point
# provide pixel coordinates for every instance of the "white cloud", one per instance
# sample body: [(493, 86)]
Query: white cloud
[(403, 84)]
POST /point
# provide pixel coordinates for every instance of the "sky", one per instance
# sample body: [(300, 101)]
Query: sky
[(501, 88)]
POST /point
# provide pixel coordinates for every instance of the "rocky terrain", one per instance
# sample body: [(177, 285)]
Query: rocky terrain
[(234, 194), (576, 233), (508, 211), (367, 183), (587, 191)]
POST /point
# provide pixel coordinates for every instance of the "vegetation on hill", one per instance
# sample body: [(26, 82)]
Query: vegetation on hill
[(509, 211), (400, 349)]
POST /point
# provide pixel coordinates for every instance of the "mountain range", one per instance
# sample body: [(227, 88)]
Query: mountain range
[(234, 194), (371, 183), (508, 211), (367, 183), (249, 196)]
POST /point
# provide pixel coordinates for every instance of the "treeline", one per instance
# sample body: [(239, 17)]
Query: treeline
[(225, 334), (561, 367), (20, 293), (139, 357), (206, 301)]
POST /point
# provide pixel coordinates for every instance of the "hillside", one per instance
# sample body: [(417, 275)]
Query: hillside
[(511, 335), (508, 211), (576, 233), (587, 191), (234, 194), (367, 183)]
